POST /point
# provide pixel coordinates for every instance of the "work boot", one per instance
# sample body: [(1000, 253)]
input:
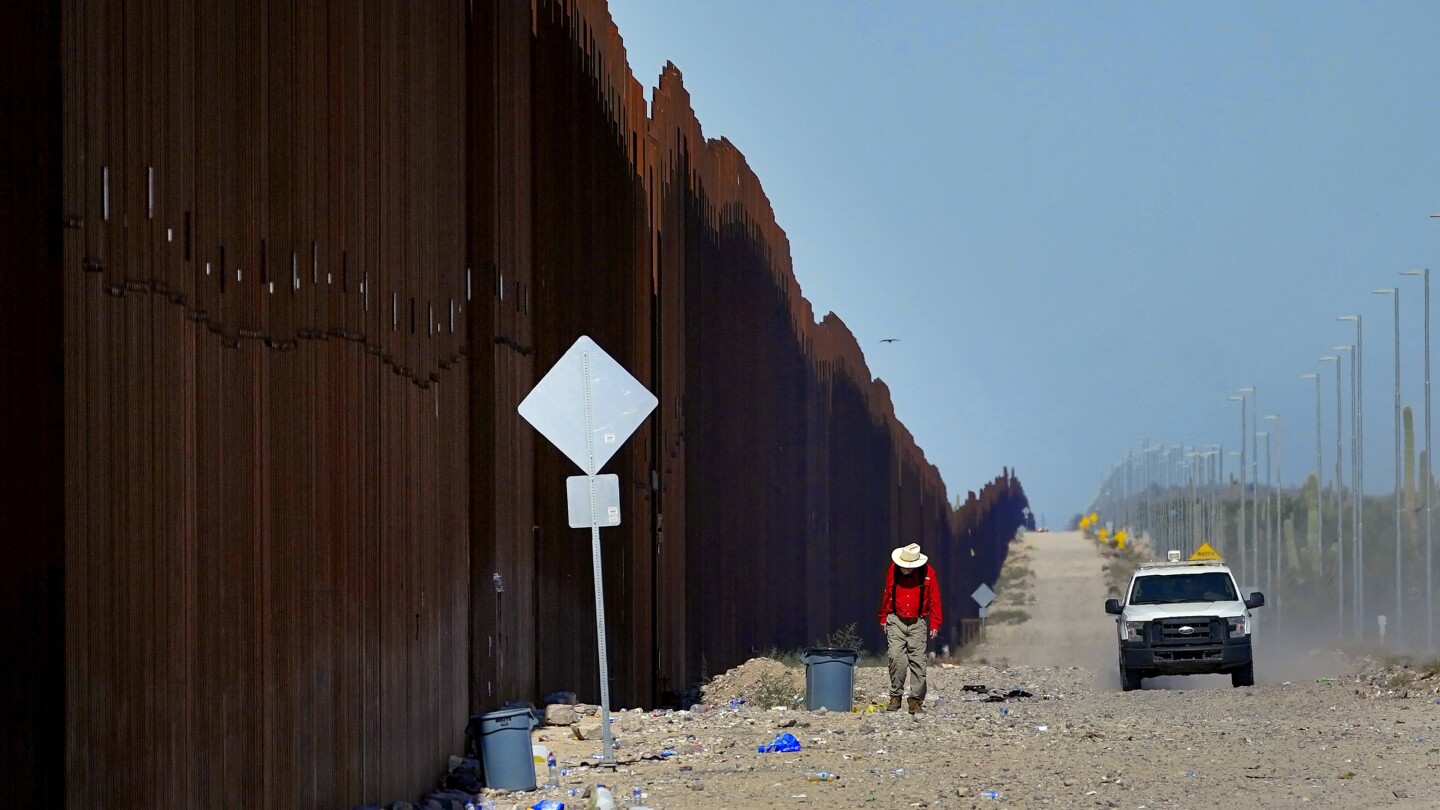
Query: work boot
[(913, 704), (894, 704)]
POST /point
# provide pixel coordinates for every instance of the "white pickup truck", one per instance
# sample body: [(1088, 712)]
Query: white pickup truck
[(1184, 618)]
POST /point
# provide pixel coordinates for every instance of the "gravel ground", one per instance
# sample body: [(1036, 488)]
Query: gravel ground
[(1317, 730)]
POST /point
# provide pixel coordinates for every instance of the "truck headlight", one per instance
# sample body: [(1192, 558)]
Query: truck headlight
[(1134, 631), (1239, 626)]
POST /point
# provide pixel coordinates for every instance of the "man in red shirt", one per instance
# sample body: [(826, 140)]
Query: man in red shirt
[(910, 614)]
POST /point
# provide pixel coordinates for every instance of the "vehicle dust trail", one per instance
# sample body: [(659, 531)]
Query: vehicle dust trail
[(1068, 625)]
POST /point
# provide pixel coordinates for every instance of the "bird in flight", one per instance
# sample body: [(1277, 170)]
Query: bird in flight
[(889, 340)]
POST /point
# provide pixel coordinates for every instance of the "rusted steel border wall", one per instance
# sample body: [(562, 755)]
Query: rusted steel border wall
[(773, 480), (314, 256), (267, 534)]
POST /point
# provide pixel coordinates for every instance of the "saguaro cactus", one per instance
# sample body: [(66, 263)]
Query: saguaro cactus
[(1312, 520), (1297, 569)]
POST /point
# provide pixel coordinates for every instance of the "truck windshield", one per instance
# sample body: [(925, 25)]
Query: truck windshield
[(1209, 586)]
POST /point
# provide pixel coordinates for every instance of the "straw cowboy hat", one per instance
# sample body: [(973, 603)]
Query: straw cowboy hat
[(909, 556)]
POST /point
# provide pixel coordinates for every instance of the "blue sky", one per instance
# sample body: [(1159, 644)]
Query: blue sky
[(1087, 223)]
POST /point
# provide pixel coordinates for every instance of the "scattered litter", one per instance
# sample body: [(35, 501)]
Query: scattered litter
[(783, 743), (821, 776), (975, 687), (1042, 728), (989, 794), (548, 804), (1324, 680), (601, 799)]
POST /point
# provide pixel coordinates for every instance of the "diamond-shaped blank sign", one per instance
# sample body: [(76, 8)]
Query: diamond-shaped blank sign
[(617, 402), (983, 596)]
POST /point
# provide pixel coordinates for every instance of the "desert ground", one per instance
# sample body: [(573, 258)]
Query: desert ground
[(1321, 728)]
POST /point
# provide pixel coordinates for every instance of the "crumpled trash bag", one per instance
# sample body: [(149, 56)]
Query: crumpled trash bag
[(783, 743), (1018, 693), (975, 687), (465, 781)]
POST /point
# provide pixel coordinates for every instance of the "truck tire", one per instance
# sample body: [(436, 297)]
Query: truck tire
[(1244, 676), (1129, 680)]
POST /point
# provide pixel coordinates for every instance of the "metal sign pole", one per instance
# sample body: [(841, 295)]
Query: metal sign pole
[(611, 396), (607, 756)]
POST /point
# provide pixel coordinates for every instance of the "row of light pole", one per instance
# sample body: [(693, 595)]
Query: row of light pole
[(1196, 522), (1185, 514), (1357, 471)]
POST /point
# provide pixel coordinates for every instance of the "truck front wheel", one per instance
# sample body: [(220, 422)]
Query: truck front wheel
[(1129, 680), (1244, 676)]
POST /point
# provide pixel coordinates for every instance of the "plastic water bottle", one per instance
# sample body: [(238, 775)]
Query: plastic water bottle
[(601, 799), (821, 776), (636, 795), (554, 780)]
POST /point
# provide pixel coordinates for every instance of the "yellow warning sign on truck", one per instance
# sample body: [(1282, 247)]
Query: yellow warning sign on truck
[(1205, 552)]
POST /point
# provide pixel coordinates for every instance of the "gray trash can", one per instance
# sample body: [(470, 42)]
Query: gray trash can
[(505, 752), (829, 678)]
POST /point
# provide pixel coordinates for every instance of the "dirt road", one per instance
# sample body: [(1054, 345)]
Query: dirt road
[(1067, 625), (1311, 733)]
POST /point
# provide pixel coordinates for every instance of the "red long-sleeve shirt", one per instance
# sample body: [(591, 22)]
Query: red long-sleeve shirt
[(902, 595)]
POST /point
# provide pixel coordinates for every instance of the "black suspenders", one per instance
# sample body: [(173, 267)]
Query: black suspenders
[(894, 606)]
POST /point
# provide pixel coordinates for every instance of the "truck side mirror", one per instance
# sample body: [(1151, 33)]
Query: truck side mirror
[(1112, 606), (1256, 600)]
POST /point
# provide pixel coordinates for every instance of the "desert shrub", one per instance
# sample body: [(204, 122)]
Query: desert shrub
[(774, 689), (845, 638)]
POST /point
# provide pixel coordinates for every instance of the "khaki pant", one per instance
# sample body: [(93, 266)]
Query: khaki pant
[(906, 639)]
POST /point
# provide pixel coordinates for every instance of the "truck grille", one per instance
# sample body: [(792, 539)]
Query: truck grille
[(1197, 630)]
